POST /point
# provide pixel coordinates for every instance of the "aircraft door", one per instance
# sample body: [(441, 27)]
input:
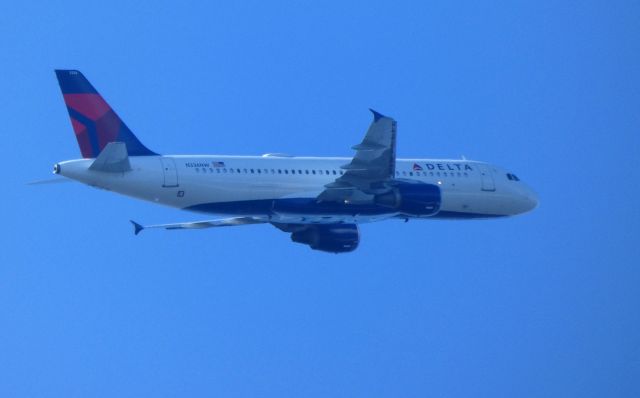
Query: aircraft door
[(486, 175), (169, 172)]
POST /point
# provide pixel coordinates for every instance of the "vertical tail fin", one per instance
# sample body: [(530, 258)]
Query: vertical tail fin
[(94, 122)]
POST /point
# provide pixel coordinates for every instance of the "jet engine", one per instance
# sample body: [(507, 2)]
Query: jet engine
[(334, 238)]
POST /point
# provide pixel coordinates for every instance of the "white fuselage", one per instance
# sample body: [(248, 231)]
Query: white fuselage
[(250, 185)]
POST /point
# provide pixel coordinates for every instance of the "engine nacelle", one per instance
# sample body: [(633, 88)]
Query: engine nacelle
[(337, 238), (412, 199)]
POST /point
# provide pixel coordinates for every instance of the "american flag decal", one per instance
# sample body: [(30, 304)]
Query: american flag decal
[(217, 164), (417, 167)]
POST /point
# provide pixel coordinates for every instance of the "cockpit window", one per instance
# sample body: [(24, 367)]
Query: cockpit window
[(512, 177)]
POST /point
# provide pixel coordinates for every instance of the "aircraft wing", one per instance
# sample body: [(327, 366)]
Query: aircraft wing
[(334, 238), (373, 164), (223, 222)]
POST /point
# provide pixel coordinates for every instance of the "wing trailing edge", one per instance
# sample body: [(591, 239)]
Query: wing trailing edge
[(222, 222)]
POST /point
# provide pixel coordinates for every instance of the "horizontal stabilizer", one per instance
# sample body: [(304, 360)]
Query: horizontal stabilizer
[(223, 222), (112, 159)]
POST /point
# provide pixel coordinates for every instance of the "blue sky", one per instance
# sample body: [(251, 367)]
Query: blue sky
[(545, 304)]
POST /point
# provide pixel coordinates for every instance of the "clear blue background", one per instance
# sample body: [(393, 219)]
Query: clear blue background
[(544, 304)]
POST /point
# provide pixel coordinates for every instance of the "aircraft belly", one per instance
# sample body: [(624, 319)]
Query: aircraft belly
[(475, 202), (460, 201), (333, 219)]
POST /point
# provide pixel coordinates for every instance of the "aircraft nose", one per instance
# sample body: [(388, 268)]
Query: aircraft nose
[(529, 200)]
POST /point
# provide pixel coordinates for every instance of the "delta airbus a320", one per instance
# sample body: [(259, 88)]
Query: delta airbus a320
[(320, 201)]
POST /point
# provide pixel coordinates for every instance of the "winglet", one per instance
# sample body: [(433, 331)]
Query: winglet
[(136, 227), (376, 115)]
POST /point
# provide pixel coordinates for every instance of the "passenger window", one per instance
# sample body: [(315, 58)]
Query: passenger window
[(327, 172), (252, 171), (334, 172), (313, 172), (286, 171), (279, 171), (411, 173), (306, 171)]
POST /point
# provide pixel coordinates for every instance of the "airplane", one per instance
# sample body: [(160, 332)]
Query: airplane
[(319, 201)]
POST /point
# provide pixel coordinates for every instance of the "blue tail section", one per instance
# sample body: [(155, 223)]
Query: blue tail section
[(94, 122)]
